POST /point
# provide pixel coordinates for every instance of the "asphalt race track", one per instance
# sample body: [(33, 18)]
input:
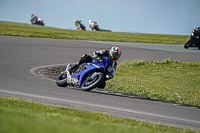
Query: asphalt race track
[(21, 55)]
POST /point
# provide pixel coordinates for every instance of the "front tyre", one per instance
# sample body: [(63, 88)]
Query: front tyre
[(62, 80), (199, 46), (42, 24), (92, 81), (188, 43)]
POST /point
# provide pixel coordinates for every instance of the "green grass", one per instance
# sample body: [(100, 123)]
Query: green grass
[(166, 80), (20, 116), (28, 30)]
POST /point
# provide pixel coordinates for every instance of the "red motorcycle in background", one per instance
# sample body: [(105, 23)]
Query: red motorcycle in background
[(35, 20)]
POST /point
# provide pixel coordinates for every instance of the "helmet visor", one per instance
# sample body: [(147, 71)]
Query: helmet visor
[(114, 55)]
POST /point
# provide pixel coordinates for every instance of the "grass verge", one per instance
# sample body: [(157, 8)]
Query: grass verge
[(20, 116), (166, 80), (28, 30)]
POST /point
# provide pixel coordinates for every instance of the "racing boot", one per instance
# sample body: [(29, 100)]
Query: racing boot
[(84, 58)]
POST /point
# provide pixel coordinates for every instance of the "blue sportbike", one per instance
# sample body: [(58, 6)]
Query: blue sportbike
[(88, 75)]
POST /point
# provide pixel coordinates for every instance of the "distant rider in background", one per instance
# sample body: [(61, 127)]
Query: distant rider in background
[(79, 25), (92, 24), (114, 53), (33, 19)]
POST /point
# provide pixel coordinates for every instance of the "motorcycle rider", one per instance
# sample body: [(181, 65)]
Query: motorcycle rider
[(33, 19), (79, 25), (114, 54), (92, 24)]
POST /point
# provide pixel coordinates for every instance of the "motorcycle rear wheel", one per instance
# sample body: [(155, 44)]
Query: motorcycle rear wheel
[(102, 85), (89, 84)]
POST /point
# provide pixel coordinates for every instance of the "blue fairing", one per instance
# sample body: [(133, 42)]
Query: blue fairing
[(105, 65)]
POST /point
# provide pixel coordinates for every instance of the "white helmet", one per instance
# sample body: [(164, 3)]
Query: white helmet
[(115, 53), (90, 21)]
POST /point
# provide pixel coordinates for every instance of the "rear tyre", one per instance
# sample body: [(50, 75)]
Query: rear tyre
[(199, 46), (91, 83), (61, 81), (102, 85)]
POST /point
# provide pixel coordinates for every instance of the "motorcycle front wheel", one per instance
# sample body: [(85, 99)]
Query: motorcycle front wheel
[(62, 80), (199, 46), (92, 81), (188, 43)]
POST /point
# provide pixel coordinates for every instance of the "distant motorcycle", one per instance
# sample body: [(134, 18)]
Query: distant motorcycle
[(38, 21), (95, 28), (88, 75), (194, 40), (79, 25)]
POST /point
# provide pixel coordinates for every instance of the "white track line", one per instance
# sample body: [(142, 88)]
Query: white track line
[(100, 106)]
